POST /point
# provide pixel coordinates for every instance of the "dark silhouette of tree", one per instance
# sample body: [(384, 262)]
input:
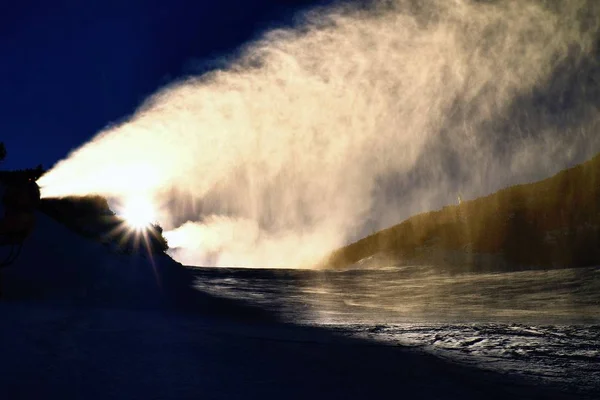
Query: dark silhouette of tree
[(38, 171), (2, 152)]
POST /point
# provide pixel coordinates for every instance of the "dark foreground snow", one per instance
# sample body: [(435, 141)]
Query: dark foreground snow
[(114, 353), (80, 321)]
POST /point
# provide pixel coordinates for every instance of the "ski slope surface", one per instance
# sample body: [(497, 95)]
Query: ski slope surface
[(80, 320)]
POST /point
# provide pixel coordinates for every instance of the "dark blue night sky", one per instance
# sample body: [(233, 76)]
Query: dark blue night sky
[(71, 67)]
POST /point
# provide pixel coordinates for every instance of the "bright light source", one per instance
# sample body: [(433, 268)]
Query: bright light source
[(138, 212)]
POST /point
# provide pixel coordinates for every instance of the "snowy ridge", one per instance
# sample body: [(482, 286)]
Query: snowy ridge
[(59, 266)]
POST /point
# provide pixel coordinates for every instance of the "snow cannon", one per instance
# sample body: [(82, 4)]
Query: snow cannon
[(19, 199)]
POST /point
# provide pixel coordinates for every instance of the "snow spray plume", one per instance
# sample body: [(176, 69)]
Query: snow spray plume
[(351, 121)]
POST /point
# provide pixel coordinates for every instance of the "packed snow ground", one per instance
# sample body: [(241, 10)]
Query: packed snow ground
[(542, 325), (80, 320)]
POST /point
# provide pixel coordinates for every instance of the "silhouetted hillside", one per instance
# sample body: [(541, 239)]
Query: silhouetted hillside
[(91, 216), (15, 176), (551, 223)]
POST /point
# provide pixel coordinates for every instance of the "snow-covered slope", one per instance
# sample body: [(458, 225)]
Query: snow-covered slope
[(81, 321), (59, 267)]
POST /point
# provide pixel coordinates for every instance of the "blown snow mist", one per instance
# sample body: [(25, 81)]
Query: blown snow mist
[(350, 121)]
